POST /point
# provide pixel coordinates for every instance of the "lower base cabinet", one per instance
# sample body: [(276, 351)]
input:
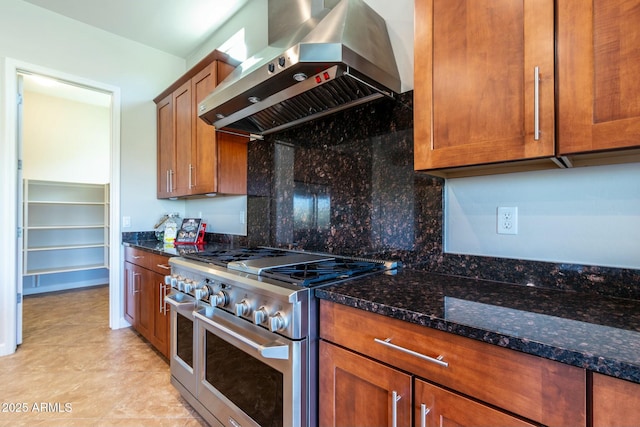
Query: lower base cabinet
[(145, 290), (436, 407), (615, 402), (375, 370), (356, 391)]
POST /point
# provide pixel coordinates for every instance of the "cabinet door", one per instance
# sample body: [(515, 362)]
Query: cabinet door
[(161, 315), (437, 407), (130, 293), (475, 93), (146, 302), (356, 391), (232, 164), (615, 402), (183, 113), (166, 147), (204, 174), (598, 67)]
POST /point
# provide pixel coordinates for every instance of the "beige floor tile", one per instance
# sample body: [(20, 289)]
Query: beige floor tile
[(72, 370)]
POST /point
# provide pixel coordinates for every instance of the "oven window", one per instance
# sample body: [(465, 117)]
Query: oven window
[(184, 339), (253, 386)]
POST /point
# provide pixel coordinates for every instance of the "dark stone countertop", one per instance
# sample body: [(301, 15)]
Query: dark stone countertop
[(598, 333), (601, 334), (159, 248)]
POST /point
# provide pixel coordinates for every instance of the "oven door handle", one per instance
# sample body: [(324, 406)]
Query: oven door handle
[(268, 350), (171, 300)]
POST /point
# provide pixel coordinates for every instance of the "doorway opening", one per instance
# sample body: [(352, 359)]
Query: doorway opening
[(12, 195)]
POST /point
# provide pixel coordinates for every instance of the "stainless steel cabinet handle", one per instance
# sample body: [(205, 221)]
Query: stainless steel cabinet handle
[(171, 181), (138, 256), (136, 275), (394, 408), (423, 414), (437, 360), (536, 103), (193, 177), (164, 266), (167, 182)]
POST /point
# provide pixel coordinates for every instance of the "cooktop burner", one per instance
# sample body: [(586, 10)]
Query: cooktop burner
[(300, 268), (323, 271), (223, 257)]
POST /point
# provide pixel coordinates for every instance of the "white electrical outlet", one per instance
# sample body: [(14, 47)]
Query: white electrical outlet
[(507, 222), (126, 221)]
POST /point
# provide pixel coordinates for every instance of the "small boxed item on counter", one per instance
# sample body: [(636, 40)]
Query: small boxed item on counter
[(191, 232)]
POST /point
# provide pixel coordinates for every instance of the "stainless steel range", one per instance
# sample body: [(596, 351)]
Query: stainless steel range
[(244, 331)]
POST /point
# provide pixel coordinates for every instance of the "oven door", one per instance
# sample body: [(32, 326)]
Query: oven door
[(183, 347), (248, 375)]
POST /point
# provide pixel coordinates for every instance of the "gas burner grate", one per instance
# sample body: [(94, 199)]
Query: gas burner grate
[(224, 256), (325, 271)]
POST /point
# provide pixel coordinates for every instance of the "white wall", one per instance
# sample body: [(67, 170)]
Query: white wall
[(64, 140), (32, 35), (252, 19), (222, 214), (587, 215)]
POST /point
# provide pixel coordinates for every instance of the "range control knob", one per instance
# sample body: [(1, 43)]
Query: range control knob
[(219, 300), (181, 285), (202, 292), (242, 308), (260, 315), (167, 280), (188, 286), (277, 322)]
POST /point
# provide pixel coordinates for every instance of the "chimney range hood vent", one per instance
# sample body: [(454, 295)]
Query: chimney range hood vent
[(335, 59)]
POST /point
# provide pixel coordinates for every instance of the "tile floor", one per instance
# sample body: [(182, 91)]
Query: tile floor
[(72, 370)]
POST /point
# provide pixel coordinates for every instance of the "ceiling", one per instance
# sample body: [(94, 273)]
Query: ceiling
[(172, 26)]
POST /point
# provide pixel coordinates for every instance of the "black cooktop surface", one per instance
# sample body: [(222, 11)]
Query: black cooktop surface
[(311, 272)]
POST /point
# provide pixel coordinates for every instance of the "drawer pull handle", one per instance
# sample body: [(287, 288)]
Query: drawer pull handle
[(138, 256), (164, 266), (438, 360)]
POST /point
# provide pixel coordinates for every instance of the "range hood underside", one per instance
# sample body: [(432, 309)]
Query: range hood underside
[(303, 102)]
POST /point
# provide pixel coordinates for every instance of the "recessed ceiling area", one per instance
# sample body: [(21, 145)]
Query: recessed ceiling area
[(172, 26)]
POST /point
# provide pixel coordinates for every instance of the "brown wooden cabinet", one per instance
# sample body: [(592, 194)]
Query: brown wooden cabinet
[(435, 406), (615, 402), (531, 387), (598, 64), (145, 290), (194, 159), (476, 101), (356, 391), (166, 146)]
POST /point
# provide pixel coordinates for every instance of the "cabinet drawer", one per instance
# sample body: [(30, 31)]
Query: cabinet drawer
[(136, 256), (542, 390), (148, 260), (159, 264)]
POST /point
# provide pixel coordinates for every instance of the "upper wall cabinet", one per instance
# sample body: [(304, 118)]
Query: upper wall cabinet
[(484, 82), (598, 71), (194, 160)]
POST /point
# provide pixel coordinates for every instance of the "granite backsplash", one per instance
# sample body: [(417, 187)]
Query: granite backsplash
[(345, 184)]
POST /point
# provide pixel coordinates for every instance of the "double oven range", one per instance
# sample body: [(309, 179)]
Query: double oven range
[(244, 331)]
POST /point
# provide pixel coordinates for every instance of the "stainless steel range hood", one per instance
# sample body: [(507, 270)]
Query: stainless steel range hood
[(338, 57)]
